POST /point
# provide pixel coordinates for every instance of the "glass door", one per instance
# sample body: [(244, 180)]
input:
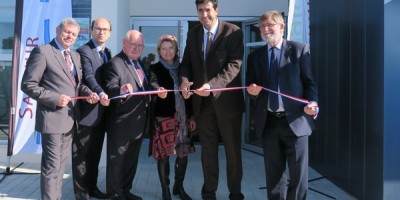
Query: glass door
[(252, 40), (152, 29)]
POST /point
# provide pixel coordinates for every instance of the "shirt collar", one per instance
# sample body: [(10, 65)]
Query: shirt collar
[(213, 29), (98, 48), (59, 45), (278, 46)]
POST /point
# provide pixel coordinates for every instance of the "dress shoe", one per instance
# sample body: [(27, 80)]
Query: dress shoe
[(131, 196), (98, 194)]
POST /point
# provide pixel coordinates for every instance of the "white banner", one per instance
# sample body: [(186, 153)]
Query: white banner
[(39, 22)]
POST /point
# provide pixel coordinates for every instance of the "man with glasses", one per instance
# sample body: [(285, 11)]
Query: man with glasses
[(127, 117), (283, 124), (88, 142)]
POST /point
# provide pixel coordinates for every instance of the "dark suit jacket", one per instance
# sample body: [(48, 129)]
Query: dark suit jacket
[(222, 68), (295, 79), (126, 117), (91, 114), (45, 78)]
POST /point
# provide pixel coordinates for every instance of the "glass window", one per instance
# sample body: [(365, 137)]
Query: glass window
[(7, 15)]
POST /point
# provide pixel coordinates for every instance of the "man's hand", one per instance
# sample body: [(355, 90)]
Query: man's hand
[(162, 95), (185, 87), (63, 100), (94, 98), (104, 99), (254, 89), (201, 91), (311, 108), (127, 88)]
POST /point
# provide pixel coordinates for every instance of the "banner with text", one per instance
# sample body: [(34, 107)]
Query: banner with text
[(39, 21)]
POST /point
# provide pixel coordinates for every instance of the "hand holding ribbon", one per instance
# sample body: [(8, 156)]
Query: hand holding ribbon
[(204, 90), (163, 92), (104, 99), (185, 88)]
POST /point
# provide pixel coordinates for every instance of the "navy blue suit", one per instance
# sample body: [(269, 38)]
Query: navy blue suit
[(88, 142), (284, 138)]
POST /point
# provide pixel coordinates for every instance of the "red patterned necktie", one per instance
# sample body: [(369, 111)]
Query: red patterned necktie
[(69, 64), (139, 71)]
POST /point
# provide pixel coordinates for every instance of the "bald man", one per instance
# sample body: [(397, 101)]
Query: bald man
[(88, 142)]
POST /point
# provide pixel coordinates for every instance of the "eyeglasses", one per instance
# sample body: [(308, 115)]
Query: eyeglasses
[(101, 29), (262, 26), (134, 46)]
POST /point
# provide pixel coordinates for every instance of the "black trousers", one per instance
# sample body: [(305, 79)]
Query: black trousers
[(122, 161), (211, 129), (283, 148), (86, 153)]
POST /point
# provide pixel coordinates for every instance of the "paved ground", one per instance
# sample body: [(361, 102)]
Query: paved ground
[(24, 182)]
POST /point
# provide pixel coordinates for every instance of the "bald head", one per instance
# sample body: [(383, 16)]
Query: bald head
[(101, 31)]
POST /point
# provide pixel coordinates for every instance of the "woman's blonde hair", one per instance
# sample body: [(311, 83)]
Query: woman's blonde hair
[(168, 38)]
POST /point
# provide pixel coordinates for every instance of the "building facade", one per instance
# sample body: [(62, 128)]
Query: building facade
[(153, 18)]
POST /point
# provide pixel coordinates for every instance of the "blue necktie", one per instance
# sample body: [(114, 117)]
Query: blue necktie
[(273, 81), (103, 56)]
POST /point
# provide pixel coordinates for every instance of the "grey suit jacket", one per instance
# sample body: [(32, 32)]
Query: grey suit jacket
[(295, 79), (222, 68), (92, 66), (45, 78)]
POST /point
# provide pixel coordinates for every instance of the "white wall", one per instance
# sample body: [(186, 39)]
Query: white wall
[(120, 11), (118, 14), (227, 8)]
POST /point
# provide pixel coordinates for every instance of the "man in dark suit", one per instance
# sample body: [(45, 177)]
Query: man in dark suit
[(88, 142), (219, 114), (284, 124), (52, 77), (127, 118)]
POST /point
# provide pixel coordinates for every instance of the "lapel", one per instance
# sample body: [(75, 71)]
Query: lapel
[(285, 54), (95, 54), (130, 67), (263, 61), (108, 53), (61, 61), (76, 60), (200, 42), (218, 36)]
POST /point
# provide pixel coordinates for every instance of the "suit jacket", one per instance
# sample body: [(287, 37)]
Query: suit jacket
[(92, 65), (295, 79), (222, 68), (45, 78), (127, 117)]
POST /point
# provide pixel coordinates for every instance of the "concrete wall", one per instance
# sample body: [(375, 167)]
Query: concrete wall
[(118, 12), (179, 8)]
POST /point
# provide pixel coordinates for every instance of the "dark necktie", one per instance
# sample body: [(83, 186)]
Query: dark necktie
[(208, 45), (69, 65), (209, 41), (103, 56), (273, 79), (139, 71)]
